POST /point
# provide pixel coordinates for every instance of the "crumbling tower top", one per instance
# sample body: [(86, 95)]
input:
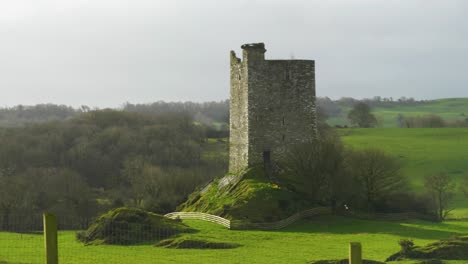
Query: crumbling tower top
[(253, 51), (254, 46)]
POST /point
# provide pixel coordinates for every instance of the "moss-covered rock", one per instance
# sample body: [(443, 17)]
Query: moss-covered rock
[(449, 249), (125, 226), (185, 243)]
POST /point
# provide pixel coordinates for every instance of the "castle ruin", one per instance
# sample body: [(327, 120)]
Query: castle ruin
[(272, 106)]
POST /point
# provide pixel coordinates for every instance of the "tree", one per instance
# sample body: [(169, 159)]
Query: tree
[(58, 190), (441, 187), (322, 117), (400, 120), (11, 197), (133, 175), (424, 121), (317, 168), (377, 174), (463, 187), (361, 116)]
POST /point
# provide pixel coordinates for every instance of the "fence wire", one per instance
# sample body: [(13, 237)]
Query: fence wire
[(21, 239), (22, 242)]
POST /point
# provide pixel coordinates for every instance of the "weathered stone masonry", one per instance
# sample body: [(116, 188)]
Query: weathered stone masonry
[(272, 106)]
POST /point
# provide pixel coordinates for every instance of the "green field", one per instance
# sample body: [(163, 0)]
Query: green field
[(422, 151), (449, 109), (315, 239)]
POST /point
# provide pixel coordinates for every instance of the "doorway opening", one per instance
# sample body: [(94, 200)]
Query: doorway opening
[(266, 158)]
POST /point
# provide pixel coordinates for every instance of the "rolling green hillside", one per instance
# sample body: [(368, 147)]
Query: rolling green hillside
[(422, 151), (452, 108)]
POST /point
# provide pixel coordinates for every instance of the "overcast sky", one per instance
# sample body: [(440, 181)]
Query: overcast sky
[(107, 52)]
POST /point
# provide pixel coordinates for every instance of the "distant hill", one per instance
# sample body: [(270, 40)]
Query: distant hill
[(216, 114), (208, 113), (387, 112), (21, 115)]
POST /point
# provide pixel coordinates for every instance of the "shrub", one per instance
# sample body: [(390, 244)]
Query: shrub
[(450, 249), (125, 226), (406, 245)]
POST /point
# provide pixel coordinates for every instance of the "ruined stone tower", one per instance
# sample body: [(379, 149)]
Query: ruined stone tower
[(272, 106)]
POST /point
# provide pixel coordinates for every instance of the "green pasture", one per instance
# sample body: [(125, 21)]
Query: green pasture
[(315, 239), (422, 151), (449, 109), (216, 148)]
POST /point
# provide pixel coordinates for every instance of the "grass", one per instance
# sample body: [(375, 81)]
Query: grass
[(215, 148), (449, 109), (253, 199), (321, 238), (422, 151), (126, 226)]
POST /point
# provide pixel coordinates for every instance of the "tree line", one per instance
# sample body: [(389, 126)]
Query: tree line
[(205, 113), (104, 159), (215, 115), (363, 180)]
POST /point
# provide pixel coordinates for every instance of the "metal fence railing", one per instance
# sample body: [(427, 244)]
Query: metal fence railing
[(200, 216)]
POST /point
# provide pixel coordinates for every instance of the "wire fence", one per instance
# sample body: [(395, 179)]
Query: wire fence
[(23, 240)]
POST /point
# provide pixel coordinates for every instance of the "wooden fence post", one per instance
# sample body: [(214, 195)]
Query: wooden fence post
[(355, 253), (50, 238)]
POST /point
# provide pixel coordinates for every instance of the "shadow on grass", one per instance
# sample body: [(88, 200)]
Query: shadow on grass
[(343, 225)]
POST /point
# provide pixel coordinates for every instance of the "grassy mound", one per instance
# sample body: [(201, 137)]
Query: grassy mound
[(185, 243), (125, 226), (345, 261), (430, 261), (450, 249), (252, 199)]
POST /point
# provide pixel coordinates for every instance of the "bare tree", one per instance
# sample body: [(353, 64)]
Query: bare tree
[(316, 168), (378, 174), (441, 187), (134, 176)]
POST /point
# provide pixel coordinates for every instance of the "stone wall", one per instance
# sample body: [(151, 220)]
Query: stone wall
[(238, 120), (272, 106)]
